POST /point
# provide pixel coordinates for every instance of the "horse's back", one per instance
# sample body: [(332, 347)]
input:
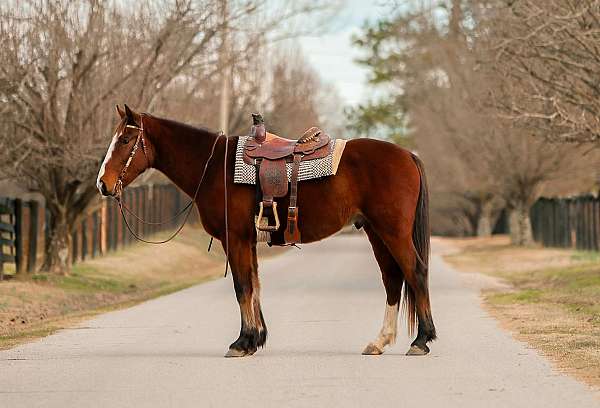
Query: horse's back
[(379, 162), (373, 177)]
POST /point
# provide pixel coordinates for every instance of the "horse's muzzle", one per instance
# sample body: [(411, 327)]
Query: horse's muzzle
[(102, 188)]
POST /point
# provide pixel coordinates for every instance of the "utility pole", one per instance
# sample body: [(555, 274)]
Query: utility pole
[(225, 70)]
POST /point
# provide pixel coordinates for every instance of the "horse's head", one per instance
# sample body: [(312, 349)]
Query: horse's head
[(126, 157)]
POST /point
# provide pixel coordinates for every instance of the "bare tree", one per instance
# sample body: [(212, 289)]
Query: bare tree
[(65, 63), (548, 55), (295, 86), (436, 57)]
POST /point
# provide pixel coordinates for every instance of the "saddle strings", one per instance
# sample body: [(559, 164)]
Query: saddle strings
[(226, 207), (226, 203)]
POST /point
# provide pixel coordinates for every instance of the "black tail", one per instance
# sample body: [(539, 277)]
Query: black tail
[(421, 232), (420, 236)]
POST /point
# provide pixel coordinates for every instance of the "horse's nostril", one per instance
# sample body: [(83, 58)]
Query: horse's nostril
[(103, 189)]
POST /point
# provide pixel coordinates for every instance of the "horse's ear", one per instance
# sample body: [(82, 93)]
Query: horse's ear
[(128, 112), (120, 111), (132, 117)]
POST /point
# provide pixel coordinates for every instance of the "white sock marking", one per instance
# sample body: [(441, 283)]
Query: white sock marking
[(387, 335)]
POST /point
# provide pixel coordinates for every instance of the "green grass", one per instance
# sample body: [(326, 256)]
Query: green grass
[(86, 279), (586, 256), (521, 296), (34, 333), (576, 289)]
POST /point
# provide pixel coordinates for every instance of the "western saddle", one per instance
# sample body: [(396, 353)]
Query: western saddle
[(269, 153)]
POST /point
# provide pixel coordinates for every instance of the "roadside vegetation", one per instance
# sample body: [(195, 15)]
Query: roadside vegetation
[(46, 302), (552, 300)]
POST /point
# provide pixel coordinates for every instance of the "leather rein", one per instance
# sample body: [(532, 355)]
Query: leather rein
[(123, 208)]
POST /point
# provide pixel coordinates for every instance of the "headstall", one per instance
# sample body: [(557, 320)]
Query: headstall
[(139, 140)]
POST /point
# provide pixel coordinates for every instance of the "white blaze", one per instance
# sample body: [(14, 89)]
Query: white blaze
[(109, 153)]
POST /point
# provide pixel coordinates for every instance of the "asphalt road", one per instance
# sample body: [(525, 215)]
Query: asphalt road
[(321, 312)]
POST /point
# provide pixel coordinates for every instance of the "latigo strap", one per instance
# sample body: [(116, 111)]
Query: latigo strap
[(292, 233)]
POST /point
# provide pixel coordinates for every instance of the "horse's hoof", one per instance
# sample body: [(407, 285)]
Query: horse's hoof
[(372, 350), (236, 353), (417, 351)]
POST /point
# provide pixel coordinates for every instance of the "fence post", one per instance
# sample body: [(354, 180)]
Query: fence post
[(177, 204), (114, 221), (75, 245), (584, 223), (84, 239), (122, 224), (103, 228), (95, 232), (159, 204), (580, 242), (47, 221), (107, 228), (151, 207), (19, 236), (34, 216), (590, 225), (136, 207), (596, 223), (564, 213), (145, 205)]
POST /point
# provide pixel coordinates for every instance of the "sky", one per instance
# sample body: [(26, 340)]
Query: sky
[(332, 53)]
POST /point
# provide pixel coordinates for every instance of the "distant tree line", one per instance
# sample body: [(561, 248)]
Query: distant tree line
[(500, 98)]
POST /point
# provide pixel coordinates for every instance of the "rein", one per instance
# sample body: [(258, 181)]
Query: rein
[(188, 208)]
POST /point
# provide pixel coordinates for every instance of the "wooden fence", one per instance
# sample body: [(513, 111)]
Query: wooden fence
[(567, 222), (24, 226)]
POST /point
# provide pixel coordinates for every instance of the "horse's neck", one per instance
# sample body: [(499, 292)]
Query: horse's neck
[(181, 154)]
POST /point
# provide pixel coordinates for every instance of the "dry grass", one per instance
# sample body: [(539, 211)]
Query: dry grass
[(34, 308), (553, 302)]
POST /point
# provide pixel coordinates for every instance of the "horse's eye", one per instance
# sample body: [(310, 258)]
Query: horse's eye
[(125, 139)]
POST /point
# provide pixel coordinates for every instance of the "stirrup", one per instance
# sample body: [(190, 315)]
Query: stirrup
[(268, 228)]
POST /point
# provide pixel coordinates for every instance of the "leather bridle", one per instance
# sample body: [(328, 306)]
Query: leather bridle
[(139, 140), (118, 190)]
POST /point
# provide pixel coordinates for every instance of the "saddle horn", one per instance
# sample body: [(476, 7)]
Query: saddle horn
[(258, 131)]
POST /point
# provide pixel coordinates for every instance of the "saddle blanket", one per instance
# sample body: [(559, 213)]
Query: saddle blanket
[(311, 169)]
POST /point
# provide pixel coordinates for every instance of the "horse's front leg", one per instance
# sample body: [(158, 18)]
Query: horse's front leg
[(244, 266)]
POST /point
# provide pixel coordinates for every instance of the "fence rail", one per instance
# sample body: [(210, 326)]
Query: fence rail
[(567, 222), (24, 226)]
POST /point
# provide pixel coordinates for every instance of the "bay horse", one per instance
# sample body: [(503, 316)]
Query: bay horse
[(379, 186)]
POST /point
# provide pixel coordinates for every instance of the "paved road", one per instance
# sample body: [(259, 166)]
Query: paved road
[(168, 352)]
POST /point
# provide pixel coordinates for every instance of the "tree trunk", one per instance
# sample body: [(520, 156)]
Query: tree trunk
[(520, 225), (473, 221), (484, 226), (57, 251)]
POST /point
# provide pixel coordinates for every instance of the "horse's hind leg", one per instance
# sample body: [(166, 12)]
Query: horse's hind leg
[(244, 266), (392, 281), (416, 291)]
